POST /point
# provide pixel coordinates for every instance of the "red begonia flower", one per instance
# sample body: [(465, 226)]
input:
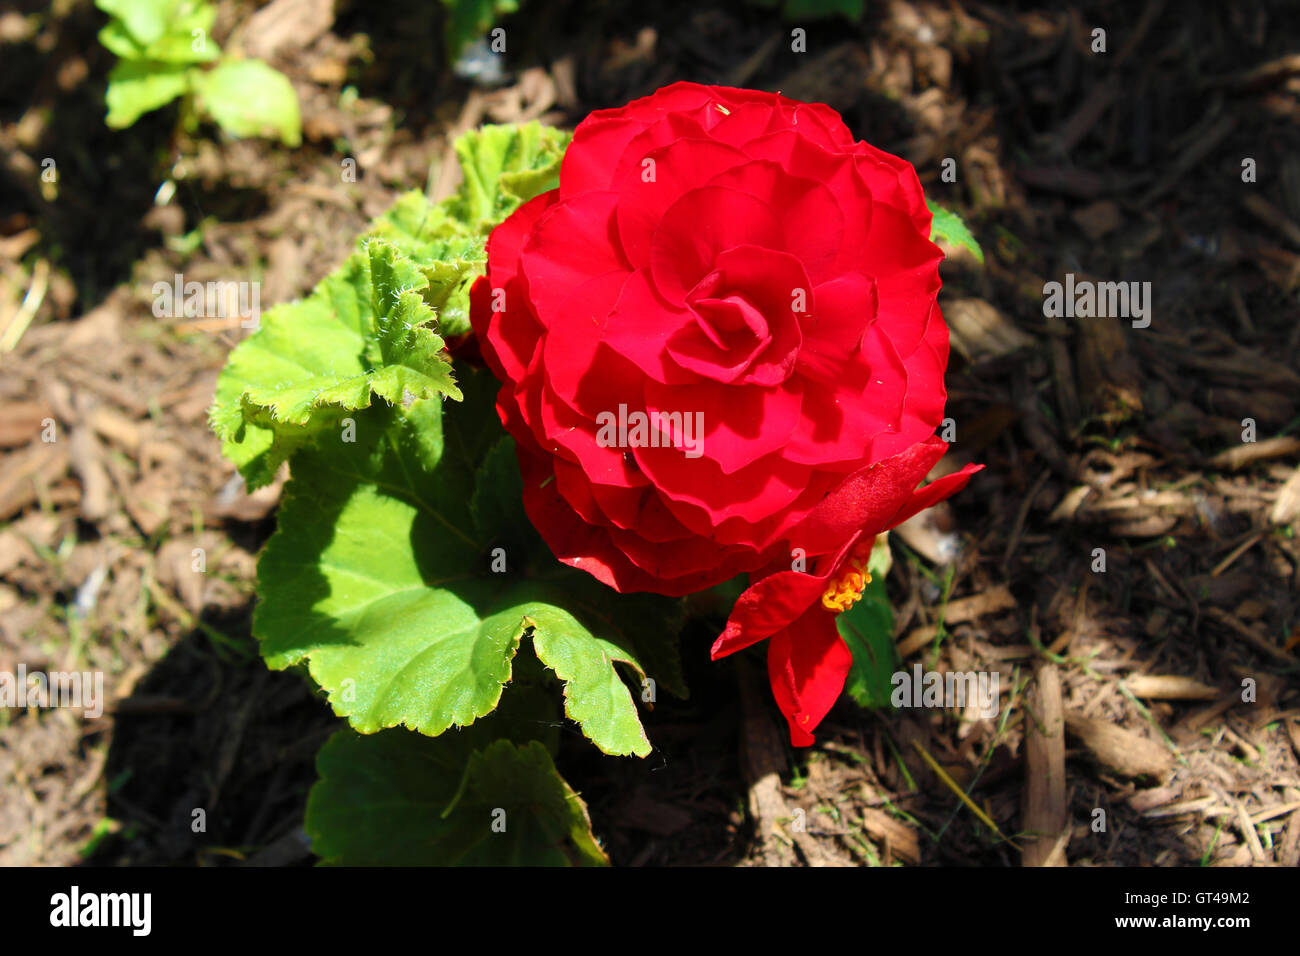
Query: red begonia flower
[(734, 259), (807, 661)]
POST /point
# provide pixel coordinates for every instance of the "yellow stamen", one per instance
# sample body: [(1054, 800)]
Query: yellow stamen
[(845, 590)]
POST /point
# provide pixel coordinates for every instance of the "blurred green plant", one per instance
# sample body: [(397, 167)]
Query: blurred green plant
[(468, 20), (164, 53), (815, 9)]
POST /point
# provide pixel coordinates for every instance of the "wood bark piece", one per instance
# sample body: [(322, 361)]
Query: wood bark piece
[(1169, 687), (40, 464), (1287, 505), (1250, 452), (284, 26), (20, 422), (1108, 374), (1127, 752), (762, 759), (981, 331), (1045, 815), (898, 839), (972, 608), (1289, 855)]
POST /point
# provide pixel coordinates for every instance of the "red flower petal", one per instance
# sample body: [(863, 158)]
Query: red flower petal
[(751, 494), (933, 493), (674, 170), (808, 212), (593, 549), (842, 310), (593, 155), (573, 242), (808, 663), (745, 328), (702, 224), (867, 499), (775, 602), (741, 425), (640, 327)]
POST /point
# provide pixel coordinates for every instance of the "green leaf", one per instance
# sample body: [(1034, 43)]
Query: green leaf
[(448, 252), (357, 578), (867, 628), (504, 167), (144, 20), (947, 227), (362, 332), (398, 799), (594, 693), (647, 624), (379, 578), (249, 98), (117, 39), (823, 9), (497, 504), (136, 87), (176, 45)]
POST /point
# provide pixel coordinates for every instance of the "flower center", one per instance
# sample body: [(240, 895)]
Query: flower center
[(745, 330), (733, 324), (847, 587)]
